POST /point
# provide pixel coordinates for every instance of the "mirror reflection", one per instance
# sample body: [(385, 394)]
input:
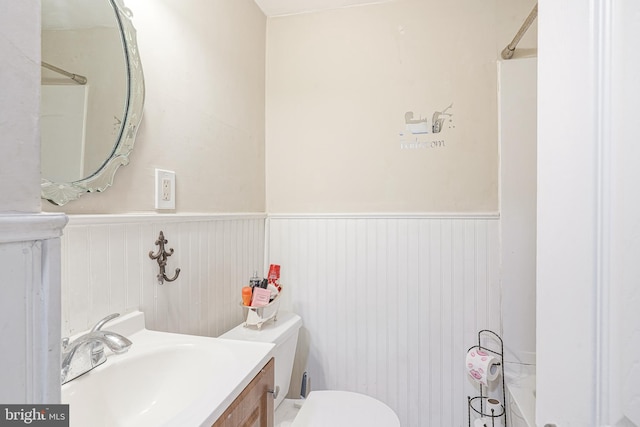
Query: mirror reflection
[(92, 95)]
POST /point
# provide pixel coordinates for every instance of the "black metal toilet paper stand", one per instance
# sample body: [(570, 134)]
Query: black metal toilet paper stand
[(478, 404)]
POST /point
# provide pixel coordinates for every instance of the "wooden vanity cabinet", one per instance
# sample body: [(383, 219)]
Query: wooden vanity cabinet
[(254, 406)]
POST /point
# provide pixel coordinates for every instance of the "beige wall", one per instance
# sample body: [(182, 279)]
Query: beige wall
[(510, 15), (339, 84), (204, 110), (19, 106)]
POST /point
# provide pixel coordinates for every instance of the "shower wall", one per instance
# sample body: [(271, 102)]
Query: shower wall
[(63, 110), (78, 50), (517, 117)]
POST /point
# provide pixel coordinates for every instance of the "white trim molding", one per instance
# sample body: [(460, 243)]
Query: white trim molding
[(567, 216), (23, 227), (618, 297), (588, 366), (152, 218), (389, 215), (602, 51), (30, 307)]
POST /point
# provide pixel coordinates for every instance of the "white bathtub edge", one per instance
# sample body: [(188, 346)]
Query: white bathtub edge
[(521, 389)]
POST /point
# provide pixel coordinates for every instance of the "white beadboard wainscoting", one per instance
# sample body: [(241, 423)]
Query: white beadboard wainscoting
[(391, 304), (106, 269)]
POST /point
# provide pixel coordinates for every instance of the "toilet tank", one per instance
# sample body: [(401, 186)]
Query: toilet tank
[(282, 332)]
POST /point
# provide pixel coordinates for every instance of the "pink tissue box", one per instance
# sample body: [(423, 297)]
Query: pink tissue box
[(260, 297)]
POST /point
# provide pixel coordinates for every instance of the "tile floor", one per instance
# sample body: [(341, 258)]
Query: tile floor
[(286, 412)]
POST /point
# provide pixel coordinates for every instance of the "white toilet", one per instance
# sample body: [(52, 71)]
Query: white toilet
[(326, 408)]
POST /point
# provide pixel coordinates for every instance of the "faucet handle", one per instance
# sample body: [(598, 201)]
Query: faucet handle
[(102, 322), (65, 342)]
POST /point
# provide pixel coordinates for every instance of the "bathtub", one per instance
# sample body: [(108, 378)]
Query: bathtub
[(521, 400)]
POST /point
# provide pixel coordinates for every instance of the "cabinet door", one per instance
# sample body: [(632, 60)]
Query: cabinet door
[(254, 406)]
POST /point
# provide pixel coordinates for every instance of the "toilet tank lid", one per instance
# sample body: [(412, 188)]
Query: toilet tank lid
[(273, 331)]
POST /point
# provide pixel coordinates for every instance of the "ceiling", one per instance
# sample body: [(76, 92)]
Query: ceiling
[(291, 7), (66, 14)]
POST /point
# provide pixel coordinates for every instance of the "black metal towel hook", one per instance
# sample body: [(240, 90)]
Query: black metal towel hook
[(162, 256)]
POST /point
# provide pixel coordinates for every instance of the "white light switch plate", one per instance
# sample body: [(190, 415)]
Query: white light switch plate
[(165, 191)]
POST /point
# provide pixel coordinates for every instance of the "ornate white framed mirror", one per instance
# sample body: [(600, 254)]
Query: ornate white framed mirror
[(92, 95)]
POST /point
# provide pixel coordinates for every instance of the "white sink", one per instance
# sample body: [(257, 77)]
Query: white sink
[(164, 379)]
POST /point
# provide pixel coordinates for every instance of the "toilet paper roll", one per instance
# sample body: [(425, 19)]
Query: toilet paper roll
[(482, 422), (493, 404), (482, 366)]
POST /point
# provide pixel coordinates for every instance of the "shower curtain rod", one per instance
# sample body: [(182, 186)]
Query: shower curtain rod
[(507, 52), (75, 77)]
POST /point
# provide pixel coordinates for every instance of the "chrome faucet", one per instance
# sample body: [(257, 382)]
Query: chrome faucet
[(87, 351)]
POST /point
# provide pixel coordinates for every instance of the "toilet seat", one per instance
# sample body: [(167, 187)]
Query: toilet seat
[(331, 408)]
